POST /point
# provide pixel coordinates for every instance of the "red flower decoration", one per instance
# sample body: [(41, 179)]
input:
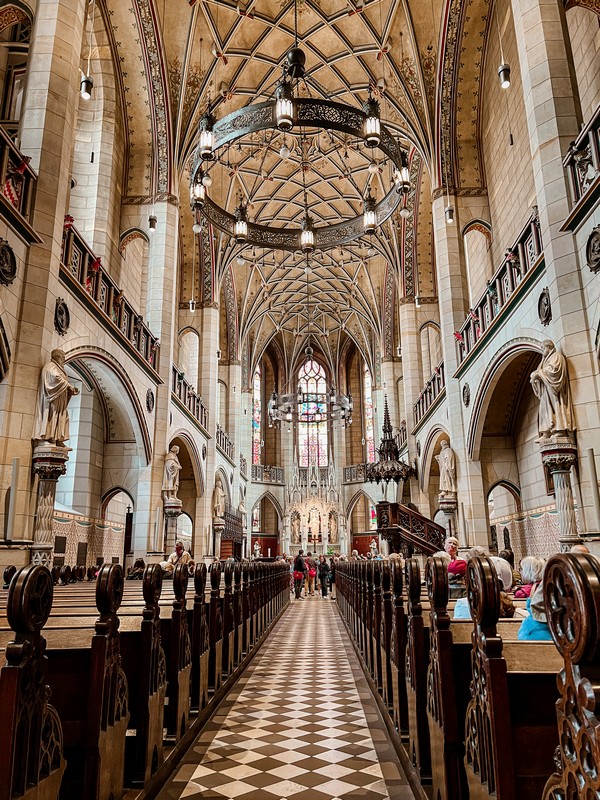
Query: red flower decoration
[(69, 220)]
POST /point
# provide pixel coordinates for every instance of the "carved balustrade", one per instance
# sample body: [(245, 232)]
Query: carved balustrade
[(18, 187), (518, 265), (355, 473), (224, 443), (82, 270), (430, 392), (264, 473), (188, 397), (582, 163)]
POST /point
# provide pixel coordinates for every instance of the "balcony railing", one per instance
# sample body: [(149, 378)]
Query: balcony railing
[(402, 436), (582, 163), (519, 262), (243, 466), (355, 473), (431, 391), (263, 473), (224, 443), (18, 187), (189, 397), (86, 271)]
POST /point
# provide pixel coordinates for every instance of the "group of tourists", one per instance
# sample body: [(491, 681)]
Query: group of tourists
[(525, 583), (309, 572)]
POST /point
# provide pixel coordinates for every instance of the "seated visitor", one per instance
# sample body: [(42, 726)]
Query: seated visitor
[(509, 556), (532, 569), (507, 608), (136, 573), (180, 556), (535, 626)]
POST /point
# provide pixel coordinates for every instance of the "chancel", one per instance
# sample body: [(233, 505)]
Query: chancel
[(299, 380)]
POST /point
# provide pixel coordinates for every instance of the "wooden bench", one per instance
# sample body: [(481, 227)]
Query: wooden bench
[(31, 736), (510, 726), (572, 598), (90, 693)]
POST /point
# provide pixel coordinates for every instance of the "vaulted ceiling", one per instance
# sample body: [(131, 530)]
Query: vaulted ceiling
[(408, 51)]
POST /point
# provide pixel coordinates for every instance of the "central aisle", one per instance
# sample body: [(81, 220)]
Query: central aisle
[(301, 723)]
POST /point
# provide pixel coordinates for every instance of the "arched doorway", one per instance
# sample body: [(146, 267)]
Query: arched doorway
[(267, 525), (362, 523)]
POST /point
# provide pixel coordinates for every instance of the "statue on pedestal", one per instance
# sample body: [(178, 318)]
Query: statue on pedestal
[(256, 550), (373, 548), (550, 384), (333, 528), (55, 391), (295, 529), (218, 499), (172, 468), (447, 462)]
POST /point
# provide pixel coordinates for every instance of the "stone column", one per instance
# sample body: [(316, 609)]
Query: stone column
[(411, 384), (47, 129), (49, 463), (553, 122), (218, 528), (559, 455), (208, 378), (452, 286), (172, 511)]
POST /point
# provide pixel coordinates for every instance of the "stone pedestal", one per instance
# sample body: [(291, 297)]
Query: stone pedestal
[(172, 510), (559, 454), (449, 505), (49, 463), (218, 528)]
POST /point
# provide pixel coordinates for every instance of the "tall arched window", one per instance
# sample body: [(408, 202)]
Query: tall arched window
[(368, 414), (256, 415), (312, 422)]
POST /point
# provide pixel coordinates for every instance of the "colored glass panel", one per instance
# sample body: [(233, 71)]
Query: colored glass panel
[(313, 436), (372, 517), (368, 411), (256, 416)]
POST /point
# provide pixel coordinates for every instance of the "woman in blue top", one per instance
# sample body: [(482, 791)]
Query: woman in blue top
[(535, 626)]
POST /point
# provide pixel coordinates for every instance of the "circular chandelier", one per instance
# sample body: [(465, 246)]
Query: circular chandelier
[(287, 113)]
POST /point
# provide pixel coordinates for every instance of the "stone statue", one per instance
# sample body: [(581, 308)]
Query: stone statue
[(333, 528), (52, 418), (256, 550), (218, 499), (242, 510), (170, 485), (373, 548), (550, 384), (447, 463), (296, 539)]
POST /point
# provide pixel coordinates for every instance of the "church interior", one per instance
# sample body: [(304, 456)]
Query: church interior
[(297, 304)]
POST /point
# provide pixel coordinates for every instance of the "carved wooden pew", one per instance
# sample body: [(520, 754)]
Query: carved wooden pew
[(199, 637), (144, 663), (386, 635), (510, 729), (90, 693), (31, 738), (238, 615), (178, 651), (417, 659), (215, 629), (572, 598), (398, 652), (228, 627)]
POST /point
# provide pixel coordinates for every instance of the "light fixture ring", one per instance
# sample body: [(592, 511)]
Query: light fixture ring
[(308, 113)]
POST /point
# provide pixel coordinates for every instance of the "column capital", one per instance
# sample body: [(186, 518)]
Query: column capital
[(559, 455)]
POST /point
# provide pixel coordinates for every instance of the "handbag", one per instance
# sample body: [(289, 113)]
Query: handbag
[(298, 576), (312, 572)]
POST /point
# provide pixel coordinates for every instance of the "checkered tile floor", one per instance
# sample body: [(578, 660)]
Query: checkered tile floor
[(301, 723)]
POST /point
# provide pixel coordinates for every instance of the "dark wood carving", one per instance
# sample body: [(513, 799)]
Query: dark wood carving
[(215, 628), (572, 598), (398, 651), (199, 695), (179, 658), (31, 739), (416, 676)]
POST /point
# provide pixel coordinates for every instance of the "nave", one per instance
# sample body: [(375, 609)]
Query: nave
[(300, 723)]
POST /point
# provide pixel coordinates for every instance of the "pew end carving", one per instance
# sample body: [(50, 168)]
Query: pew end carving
[(31, 737)]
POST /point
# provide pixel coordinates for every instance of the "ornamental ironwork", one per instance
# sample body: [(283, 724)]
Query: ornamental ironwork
[(308, 113)]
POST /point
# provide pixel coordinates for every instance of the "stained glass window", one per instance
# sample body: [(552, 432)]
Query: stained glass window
[(368, 412), (256, 518), (256, 416), (312, 422), (372, 517)]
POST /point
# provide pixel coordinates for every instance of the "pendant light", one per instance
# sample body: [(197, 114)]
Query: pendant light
[(240, 228), (87, 82), (369, 214), (372, 122), (284, 106), (207, 136)]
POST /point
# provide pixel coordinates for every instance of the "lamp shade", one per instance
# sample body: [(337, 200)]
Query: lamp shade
[(240, 228), (86, 86), (369, 215), (504, 75), (207, 137), (372, 123), (307, 235), (284, 107)]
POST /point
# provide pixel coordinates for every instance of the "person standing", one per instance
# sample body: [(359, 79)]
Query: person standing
[(323, 570), (299, 572), (312, 574)]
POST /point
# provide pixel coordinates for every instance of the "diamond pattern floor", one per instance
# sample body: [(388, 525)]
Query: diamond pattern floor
[(301, 723)]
